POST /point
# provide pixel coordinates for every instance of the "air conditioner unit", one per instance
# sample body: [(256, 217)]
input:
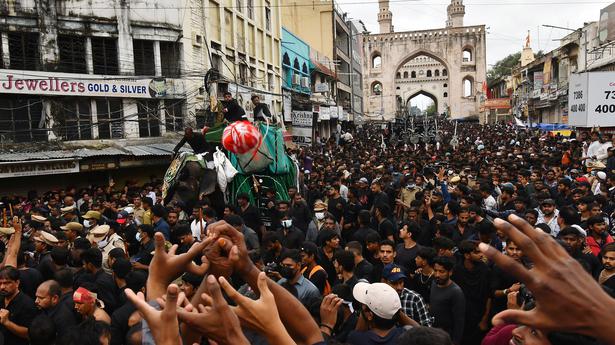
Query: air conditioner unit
[(305, 82), (296, 79)]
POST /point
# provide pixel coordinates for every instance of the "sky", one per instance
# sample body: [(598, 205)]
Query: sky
[(507, 21)]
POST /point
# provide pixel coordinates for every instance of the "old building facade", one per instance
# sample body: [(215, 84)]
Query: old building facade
[(448, 65)]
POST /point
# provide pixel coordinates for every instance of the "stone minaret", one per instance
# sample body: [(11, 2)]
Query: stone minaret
[(385, 17), (456, 10)]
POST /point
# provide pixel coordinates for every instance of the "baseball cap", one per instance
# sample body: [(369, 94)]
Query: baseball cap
[(363, 180), (92, 215), (393, 273), (380, 298), (548, 202), (122, 216)]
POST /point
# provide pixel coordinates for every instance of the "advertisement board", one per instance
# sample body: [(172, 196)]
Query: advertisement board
[(302, 126), (70, 84), (325, 114), (39, 167), (591, 99)]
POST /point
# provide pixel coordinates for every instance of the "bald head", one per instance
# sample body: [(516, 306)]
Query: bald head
[(48, 294)]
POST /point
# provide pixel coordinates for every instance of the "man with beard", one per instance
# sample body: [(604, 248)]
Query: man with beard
[(290, 270), (462, 230), (575, 244), (472, 276), (48, 300), (502, 283), (16, 309), (606, 277), (447, 300), (249, 213), (330, 242), (412, 303), (548, 215), (597, 235)]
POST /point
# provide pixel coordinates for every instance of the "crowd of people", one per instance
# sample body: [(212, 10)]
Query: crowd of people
[(504, 237)]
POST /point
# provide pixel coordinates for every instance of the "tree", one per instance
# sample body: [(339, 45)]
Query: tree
[(503, 67), (431, 110)]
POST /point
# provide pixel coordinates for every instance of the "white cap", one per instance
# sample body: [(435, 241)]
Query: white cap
[(380, 298), (601, 175), (580, 229)]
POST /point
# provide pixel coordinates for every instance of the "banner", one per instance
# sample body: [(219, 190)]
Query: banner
[(302, 126), (591, 99), (325, 114), (39, 167), (334, 114), (70, 84), (287, 107)]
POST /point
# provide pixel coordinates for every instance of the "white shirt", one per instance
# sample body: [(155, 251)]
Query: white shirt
[(196, 228), (489, 203), (552, 223)]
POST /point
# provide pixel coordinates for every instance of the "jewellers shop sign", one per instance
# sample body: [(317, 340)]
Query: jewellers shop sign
[(39, 167), (69, 84)]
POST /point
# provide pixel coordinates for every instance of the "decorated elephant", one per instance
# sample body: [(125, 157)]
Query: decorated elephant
[(191, 178)]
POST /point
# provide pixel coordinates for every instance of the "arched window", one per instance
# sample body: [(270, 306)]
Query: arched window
[(376, 88), (444, 73), (304, 68), (376, 60), (467, 55), (398, 75), (436, 73), (286, 59), (445, 85), (413, 75), (468, 88), (428, 73), (406, 75), (296, 65), (446, 94)]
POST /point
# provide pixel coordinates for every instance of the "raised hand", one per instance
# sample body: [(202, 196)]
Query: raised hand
[(216, 320), (163, 323), (229, 252), (567, 297), (166, 267), (260, 315), (328, 311)]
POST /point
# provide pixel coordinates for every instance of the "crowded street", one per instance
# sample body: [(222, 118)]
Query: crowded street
[(332, 172)]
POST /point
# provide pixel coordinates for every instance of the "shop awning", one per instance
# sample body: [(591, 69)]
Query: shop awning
[(322, 68)]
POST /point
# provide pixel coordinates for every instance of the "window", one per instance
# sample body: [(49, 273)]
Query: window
[(253, 77), (23, 51), (296, 65), (144, 57), (1, 54), (376, 89), (174, 118), (437, 73), (413, 74), (104, 55), (77, 121), (72, 54), (406, 75), (170, 59), (243, 73), (149, 117), (267, 19), (444, 73), (286, 60), (376, 61), (467, 55), (446, 94), (304, 68), (109, 114), (428, 73), (238, 6), (270, 81), (467, 87), (216, 62), (445, 85), (398, 75), (21, 119), (250, 8)]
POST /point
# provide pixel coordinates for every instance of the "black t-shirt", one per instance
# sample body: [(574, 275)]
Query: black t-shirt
[(421, 284), (22, 311), (363, 270), (386, 229), (251, 217), (62, 317), (119, 323), (337, 207), (319, 278), (293, 239), (405, 257)]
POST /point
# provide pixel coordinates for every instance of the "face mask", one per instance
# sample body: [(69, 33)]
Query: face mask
[(287, 223), (320, 215), (138, 237), (286, 272), (86, 223), (102, 244)]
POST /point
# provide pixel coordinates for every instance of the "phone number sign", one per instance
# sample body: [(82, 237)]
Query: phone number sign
[(591, 99)]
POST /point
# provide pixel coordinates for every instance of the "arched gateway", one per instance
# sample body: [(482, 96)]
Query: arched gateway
[(439, 62)]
